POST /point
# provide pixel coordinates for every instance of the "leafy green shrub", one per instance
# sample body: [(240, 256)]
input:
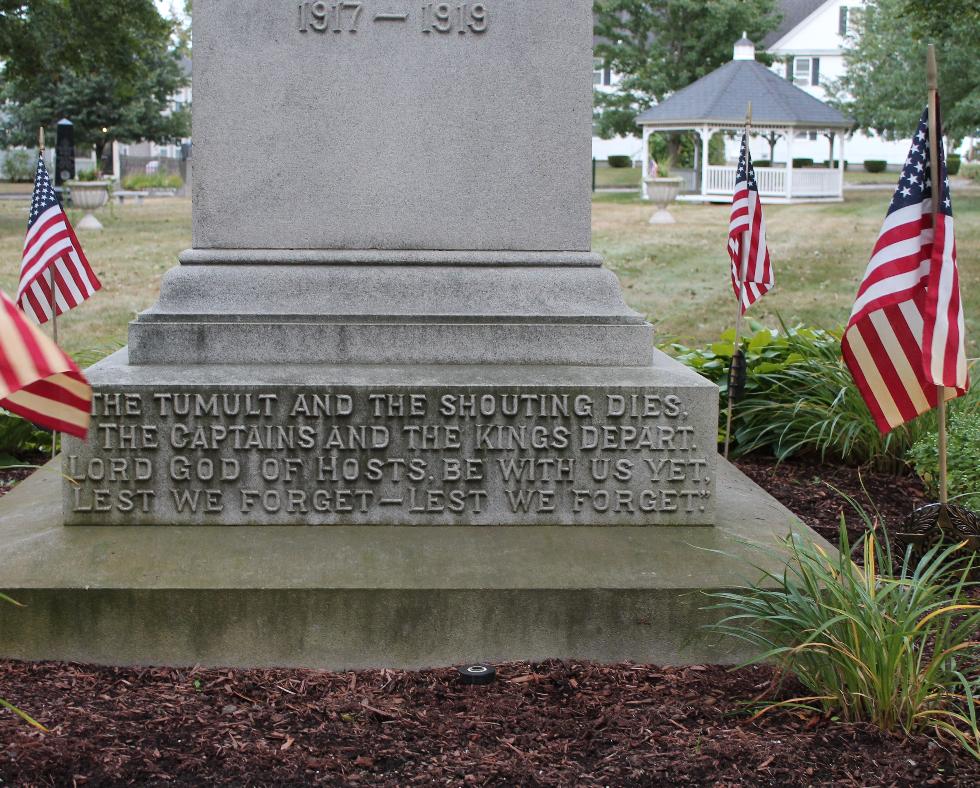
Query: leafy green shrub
[(20, 440), (620, 161), (896, 650), (800, 398), (963, 452), (875, 165), (19, 166), (157, 180), (761, 163), (800, 163), (953, 163), (686, 156), (971, 171), (87, 176)]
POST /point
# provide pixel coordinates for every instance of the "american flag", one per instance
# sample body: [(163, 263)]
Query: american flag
[(747, 218), (51, 246), (905, 337), (37, 378)]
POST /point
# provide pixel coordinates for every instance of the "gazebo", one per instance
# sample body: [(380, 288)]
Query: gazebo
[(718, 102)]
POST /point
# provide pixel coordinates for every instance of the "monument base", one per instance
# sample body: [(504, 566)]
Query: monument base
[(357, 597)]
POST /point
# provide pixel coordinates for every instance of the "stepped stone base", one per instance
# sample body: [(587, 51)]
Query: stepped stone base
[(355, 597), (262, 306)]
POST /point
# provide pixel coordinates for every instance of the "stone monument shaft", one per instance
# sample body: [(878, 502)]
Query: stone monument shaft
[(392, 125)]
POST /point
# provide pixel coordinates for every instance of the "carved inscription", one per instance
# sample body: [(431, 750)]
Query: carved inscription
[(378, 456), (429, 18)]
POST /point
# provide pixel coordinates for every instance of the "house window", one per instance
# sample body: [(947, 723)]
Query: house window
[(806, 71), (601, 73), (806, 135), (842, 21)]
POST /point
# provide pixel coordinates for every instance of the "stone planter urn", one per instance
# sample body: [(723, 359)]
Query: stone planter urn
[(663, 191), (89, 196)]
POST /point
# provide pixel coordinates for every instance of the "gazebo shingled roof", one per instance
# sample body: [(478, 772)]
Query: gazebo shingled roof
[(721, 98)]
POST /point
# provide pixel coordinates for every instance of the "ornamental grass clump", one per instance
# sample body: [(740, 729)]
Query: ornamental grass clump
[(894, 649)]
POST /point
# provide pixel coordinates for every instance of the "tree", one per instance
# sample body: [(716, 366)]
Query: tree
[(104, 64), (936, 16), (182, 27), (661, 46), (884, 88)]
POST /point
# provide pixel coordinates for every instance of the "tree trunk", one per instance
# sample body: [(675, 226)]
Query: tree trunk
[(99, 151), (673, 148)]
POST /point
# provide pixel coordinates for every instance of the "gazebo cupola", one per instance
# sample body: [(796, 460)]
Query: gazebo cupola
[(717, 103), (744, 49)]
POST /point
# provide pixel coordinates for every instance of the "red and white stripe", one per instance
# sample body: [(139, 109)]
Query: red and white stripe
[(906, 334), (52, 254), (943, 341), (747, 219), (37, 378)]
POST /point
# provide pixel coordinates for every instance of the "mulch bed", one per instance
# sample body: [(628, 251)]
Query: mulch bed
[(812, 490), (555, 723), (538, 724)]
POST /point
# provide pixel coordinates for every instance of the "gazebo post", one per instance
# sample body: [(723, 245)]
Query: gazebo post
[(644, 189), (843, 165), (705, 138), (790, 136)]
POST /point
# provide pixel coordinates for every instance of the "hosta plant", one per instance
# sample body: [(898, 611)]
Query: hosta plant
[(800, 398), (963, 453)]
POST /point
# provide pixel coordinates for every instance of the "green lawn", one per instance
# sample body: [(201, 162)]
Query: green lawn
[(857, 175), (139, 243), (676, 275)]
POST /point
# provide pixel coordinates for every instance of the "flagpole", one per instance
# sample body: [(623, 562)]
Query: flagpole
[(932, 77), (51, 296), (743, 273)]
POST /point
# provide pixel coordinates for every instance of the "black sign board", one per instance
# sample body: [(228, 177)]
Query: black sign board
[(64, 153)]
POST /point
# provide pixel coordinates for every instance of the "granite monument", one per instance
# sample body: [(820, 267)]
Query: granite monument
[(391, 327)]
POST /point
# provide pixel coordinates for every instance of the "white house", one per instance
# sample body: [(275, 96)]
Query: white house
[(604, 79), (809, 49)]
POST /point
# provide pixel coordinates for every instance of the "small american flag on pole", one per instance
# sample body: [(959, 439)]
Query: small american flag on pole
[(37, 378), (52, 255), (906, 337), (747, 218)]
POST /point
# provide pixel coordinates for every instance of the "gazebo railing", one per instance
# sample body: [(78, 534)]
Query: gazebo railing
[(772, 182), (816, 183)]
